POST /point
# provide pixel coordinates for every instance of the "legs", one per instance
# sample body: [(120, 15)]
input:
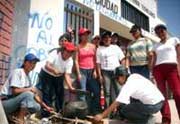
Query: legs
[(174, 84), (45, 85), (83, 83), (143, 70), (163, 73), (138, 112), (89, 83), (94, 101), (161, 83), (59, 93), (23, 100), (22, 103), (111, 89), (107, 86)]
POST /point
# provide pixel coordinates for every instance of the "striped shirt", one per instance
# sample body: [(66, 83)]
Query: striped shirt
[(137, 51)]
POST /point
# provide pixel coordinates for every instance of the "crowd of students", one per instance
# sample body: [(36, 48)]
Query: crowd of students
[(95, 63)]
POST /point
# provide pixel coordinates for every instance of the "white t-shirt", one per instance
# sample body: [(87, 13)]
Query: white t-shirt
[(166, 52), (17, 78), (139, 88), (109, 57), (64, 66)]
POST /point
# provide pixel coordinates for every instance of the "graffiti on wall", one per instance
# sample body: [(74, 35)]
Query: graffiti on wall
[(39, 41), (43, 23)]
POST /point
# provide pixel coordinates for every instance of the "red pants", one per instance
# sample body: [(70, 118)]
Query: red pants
[(168, 73)]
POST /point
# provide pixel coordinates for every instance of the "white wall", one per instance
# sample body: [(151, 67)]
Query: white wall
[(45, 27)]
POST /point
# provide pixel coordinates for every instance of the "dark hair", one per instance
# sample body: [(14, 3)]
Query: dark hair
[(160, 26), (115, 34), (135, 28), (66, 36), (105, 33)]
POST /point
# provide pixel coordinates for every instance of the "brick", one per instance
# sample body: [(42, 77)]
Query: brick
[(6, 27), (5, 42), (6, 11), (5, 34), (12, 2), (4, 50), (7, 4), (8, 20)]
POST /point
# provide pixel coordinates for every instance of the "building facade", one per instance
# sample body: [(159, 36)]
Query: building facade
[(37, 24)]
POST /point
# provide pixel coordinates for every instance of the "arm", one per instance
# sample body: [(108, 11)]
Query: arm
[(114, 105), (98, 65), (94, 60), (68, 81), (77, 65), (127, 58), (151, 59), (123, 62), (39, 100), (127, 62), (52, 69), (16, 90)]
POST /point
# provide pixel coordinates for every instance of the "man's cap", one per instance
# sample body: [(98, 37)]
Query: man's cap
[(69, 46), (31, 57), (83, 31), (160, 26), (106, 33), (135, 28), (121, 71), (65, 36)]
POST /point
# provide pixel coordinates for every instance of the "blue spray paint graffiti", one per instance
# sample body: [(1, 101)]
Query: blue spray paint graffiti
[(40, 53), (44, 23)]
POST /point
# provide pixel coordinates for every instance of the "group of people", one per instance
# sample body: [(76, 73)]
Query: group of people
[(97, 64)]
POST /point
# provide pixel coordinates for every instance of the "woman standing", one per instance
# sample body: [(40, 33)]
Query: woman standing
[(165, 62), (108, 57), (86, 68), (138, 53)]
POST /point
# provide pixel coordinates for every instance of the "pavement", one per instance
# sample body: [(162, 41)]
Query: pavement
[(174, 114)]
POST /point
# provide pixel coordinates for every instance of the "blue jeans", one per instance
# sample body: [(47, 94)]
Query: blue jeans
[(86, 76), (111, 89), (23, 100), (52, 89), (87, 82), (142, 70), (137, 112)]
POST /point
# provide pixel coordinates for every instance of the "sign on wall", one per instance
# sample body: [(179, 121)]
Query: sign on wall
[(110, 8)]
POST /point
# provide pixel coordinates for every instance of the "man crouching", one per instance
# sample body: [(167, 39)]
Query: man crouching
[(138, 99)]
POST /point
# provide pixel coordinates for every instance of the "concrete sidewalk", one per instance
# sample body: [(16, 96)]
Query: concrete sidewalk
[(174, 114)]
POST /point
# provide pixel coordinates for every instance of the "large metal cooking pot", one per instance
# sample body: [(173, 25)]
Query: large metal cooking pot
[(75, 109)]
